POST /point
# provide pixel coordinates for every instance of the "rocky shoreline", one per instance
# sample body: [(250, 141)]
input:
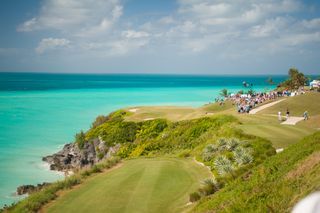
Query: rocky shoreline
[(28, 189), (71, 158)]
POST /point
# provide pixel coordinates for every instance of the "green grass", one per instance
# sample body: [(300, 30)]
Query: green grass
[(274, 186), (177, 113), (140, 185), (35, 201), (297, 105), (270, 128)]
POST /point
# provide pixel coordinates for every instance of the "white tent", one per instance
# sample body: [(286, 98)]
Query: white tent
[(315, 84)]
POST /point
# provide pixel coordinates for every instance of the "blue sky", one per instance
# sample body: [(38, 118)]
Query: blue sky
[(167, 36)]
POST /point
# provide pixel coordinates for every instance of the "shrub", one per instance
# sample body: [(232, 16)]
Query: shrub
[(185, 153), (96, 169), (151, 129), (209, 152), (223, 165), (100, 155), (222, 142), (232, 144), (80, 139), (99, 120), (195, 196), (209, 187), (242, 156)]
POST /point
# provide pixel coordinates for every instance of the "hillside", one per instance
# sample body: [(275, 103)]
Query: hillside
[(297, 105), (155, 141), (157, 138), (275, 186)]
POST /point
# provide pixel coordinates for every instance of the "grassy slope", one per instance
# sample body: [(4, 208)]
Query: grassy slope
[(140, 185), (270, 128), (274, 186), (261, 124), (266, 126), (176, 113), (297, 105)]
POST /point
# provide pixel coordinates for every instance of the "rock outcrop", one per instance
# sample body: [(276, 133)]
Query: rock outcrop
[(28, 189), (72, 157)]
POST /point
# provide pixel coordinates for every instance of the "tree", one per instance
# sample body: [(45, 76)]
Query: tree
[(270, 81), (296, 79), (224, 93)]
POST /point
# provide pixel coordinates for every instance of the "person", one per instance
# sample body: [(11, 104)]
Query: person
[(305, 115), (288, 113), (279, 116)]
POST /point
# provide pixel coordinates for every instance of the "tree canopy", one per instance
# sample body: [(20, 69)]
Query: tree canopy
[(296, 79)]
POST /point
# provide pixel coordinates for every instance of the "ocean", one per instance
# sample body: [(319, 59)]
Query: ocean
[(39, 113)]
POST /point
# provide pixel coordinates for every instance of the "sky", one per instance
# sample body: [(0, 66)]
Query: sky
[(165, 37)]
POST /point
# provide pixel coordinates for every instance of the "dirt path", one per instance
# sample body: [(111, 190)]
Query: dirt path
[(255, 110)]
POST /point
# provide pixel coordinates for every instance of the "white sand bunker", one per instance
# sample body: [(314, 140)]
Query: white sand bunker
[(133, 110), (148, 119)]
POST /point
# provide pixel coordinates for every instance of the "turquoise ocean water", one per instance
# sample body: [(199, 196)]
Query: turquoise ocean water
[(39, 113)]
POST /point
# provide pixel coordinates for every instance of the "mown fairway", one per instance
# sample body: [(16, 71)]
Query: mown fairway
[(270, 128), (297, 105), (141, 185)]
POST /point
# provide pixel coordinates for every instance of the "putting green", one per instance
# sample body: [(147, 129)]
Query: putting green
[(140, 185)]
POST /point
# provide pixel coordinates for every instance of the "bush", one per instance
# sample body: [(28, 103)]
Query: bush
[(99, 120), (242, 156), (209, 152), (232, 144), (193, 197), (151, 129), (80, 139), (222, 142), (209, 187), (223, 165)]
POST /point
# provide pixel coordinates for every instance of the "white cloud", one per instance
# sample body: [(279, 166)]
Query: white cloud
[(299, 39), (167, 20), (135, 34), (311, 24), (269, 27), (72, 16), (221, 27), (205, 9), (27, 26), (51, 44)]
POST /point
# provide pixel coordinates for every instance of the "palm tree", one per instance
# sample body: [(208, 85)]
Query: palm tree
[(224, 93), (270, 81)]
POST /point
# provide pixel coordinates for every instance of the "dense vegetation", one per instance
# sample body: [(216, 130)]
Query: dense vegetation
[(275, 185), (182, 138)]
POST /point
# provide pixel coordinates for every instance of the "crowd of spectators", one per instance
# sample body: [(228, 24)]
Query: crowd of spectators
[(246, 102)]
